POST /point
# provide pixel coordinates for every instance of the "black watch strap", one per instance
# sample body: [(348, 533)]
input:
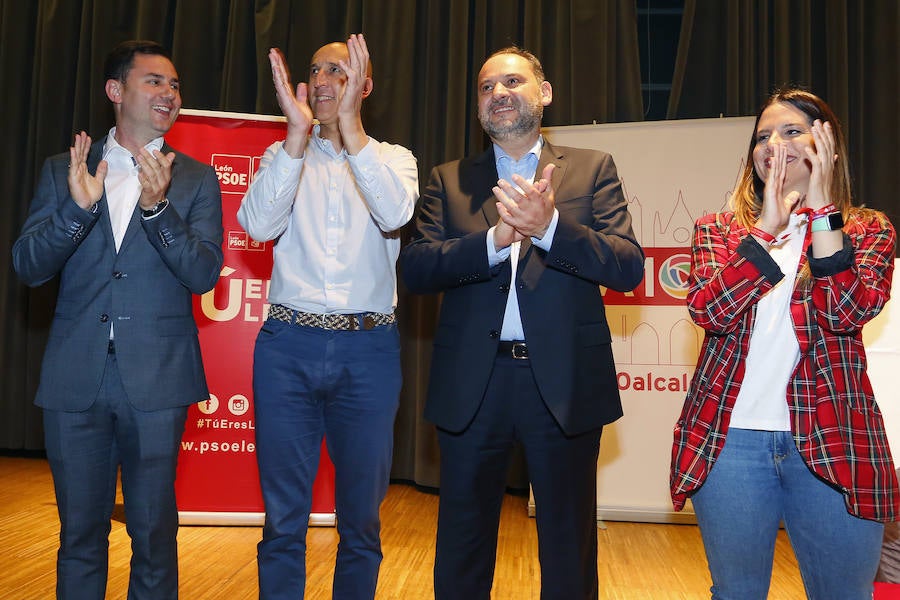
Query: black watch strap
[(152, 212)]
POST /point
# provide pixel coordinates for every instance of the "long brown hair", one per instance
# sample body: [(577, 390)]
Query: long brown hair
[(747, 198)]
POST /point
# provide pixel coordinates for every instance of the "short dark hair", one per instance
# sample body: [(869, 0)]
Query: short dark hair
[(120, 60), (531, 58)]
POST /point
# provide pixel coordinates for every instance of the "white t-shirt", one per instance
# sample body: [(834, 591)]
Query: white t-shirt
[(774, 350)]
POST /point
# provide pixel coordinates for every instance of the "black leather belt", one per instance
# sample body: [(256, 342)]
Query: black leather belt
[(339, 322), (517, 350)]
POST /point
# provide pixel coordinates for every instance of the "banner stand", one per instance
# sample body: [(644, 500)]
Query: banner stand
[(246, 519), (217, 482)]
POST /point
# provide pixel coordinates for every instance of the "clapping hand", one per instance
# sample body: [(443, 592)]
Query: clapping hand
[(823, 158), (776, 209), (355, 70), (86, 189), (528, 208), (154, 176), (357, 87), (294, 105)]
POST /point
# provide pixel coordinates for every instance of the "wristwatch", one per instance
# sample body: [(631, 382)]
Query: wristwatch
[(830, 222), (152, 212)]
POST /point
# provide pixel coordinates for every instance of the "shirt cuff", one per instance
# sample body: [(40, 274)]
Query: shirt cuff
[(751, 249), (827, 266), (495, 257), (284, 161), (546, 242)]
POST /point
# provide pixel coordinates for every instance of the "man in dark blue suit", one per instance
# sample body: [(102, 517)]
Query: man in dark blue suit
[(519, 240), (133, 229)]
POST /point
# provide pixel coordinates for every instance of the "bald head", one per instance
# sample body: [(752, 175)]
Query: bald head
[(337, 50)]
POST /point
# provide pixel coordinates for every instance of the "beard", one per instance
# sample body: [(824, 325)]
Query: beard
[(529, 119)]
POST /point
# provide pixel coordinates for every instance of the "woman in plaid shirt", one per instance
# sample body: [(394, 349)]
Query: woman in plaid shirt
[(780, 422)]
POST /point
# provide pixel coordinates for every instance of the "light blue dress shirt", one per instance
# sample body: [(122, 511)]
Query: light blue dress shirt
[(526, 167)]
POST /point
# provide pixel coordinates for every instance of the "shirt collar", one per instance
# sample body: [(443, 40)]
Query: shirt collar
[(324, 144), (534, 151), (113, 148)]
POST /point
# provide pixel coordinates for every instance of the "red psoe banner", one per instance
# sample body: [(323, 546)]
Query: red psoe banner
[(218, 480)]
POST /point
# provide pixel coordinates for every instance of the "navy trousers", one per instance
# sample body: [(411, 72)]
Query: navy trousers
[(85, 450), (563, 474), (345, 386)]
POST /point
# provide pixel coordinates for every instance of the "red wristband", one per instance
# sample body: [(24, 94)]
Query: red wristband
[(825, 210), (763, 235)]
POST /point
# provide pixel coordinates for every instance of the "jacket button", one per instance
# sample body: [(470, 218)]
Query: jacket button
[(503, 288), (494, 334), (104, 318), (118, 274)]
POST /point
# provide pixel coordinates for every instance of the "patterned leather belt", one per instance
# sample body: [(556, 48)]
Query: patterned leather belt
[(336, 322)]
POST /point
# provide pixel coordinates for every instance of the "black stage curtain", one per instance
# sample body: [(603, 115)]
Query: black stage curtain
[(732, 53), (425, 56)]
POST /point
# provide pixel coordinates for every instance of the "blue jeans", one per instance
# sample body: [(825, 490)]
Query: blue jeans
[(345, 386), (760, 480)]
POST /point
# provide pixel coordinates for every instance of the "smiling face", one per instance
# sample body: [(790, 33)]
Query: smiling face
[(511, 98), (148, 100), (327, 81), (784, 124)]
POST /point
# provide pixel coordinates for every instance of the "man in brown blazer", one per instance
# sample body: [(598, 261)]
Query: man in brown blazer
[(519, 240)]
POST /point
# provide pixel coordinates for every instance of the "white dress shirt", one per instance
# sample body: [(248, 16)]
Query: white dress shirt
[(335, 219), (121, 184), (122, 187)]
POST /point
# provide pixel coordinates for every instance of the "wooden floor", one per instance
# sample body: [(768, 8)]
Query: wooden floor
[(637, 561)]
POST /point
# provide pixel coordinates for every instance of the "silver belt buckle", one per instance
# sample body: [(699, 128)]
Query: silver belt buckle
[(520, 351)]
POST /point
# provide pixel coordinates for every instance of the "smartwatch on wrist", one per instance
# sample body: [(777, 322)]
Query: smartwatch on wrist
[(830, 222)]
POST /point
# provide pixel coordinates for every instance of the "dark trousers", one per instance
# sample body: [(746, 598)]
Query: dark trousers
[(85, 450), (563, 475), (345, 386)]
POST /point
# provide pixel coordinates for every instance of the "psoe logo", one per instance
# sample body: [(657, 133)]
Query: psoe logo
[(673, 275), (233, 171), (239, 240)]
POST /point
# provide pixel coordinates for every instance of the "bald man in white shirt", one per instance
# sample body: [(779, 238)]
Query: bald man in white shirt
[(327, 359)]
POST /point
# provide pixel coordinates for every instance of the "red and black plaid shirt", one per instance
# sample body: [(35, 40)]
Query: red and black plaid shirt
[(835, 421)]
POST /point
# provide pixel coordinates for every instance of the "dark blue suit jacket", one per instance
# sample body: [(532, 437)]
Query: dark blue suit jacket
[(562, 310), (145, 289)]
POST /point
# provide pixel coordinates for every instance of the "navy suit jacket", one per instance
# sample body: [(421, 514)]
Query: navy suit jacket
[(145, 289), (562, 310)]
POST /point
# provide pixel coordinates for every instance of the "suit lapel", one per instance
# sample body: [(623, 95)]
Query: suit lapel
[(134, 226), (486, 178), (93, 160), (550, 154)]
